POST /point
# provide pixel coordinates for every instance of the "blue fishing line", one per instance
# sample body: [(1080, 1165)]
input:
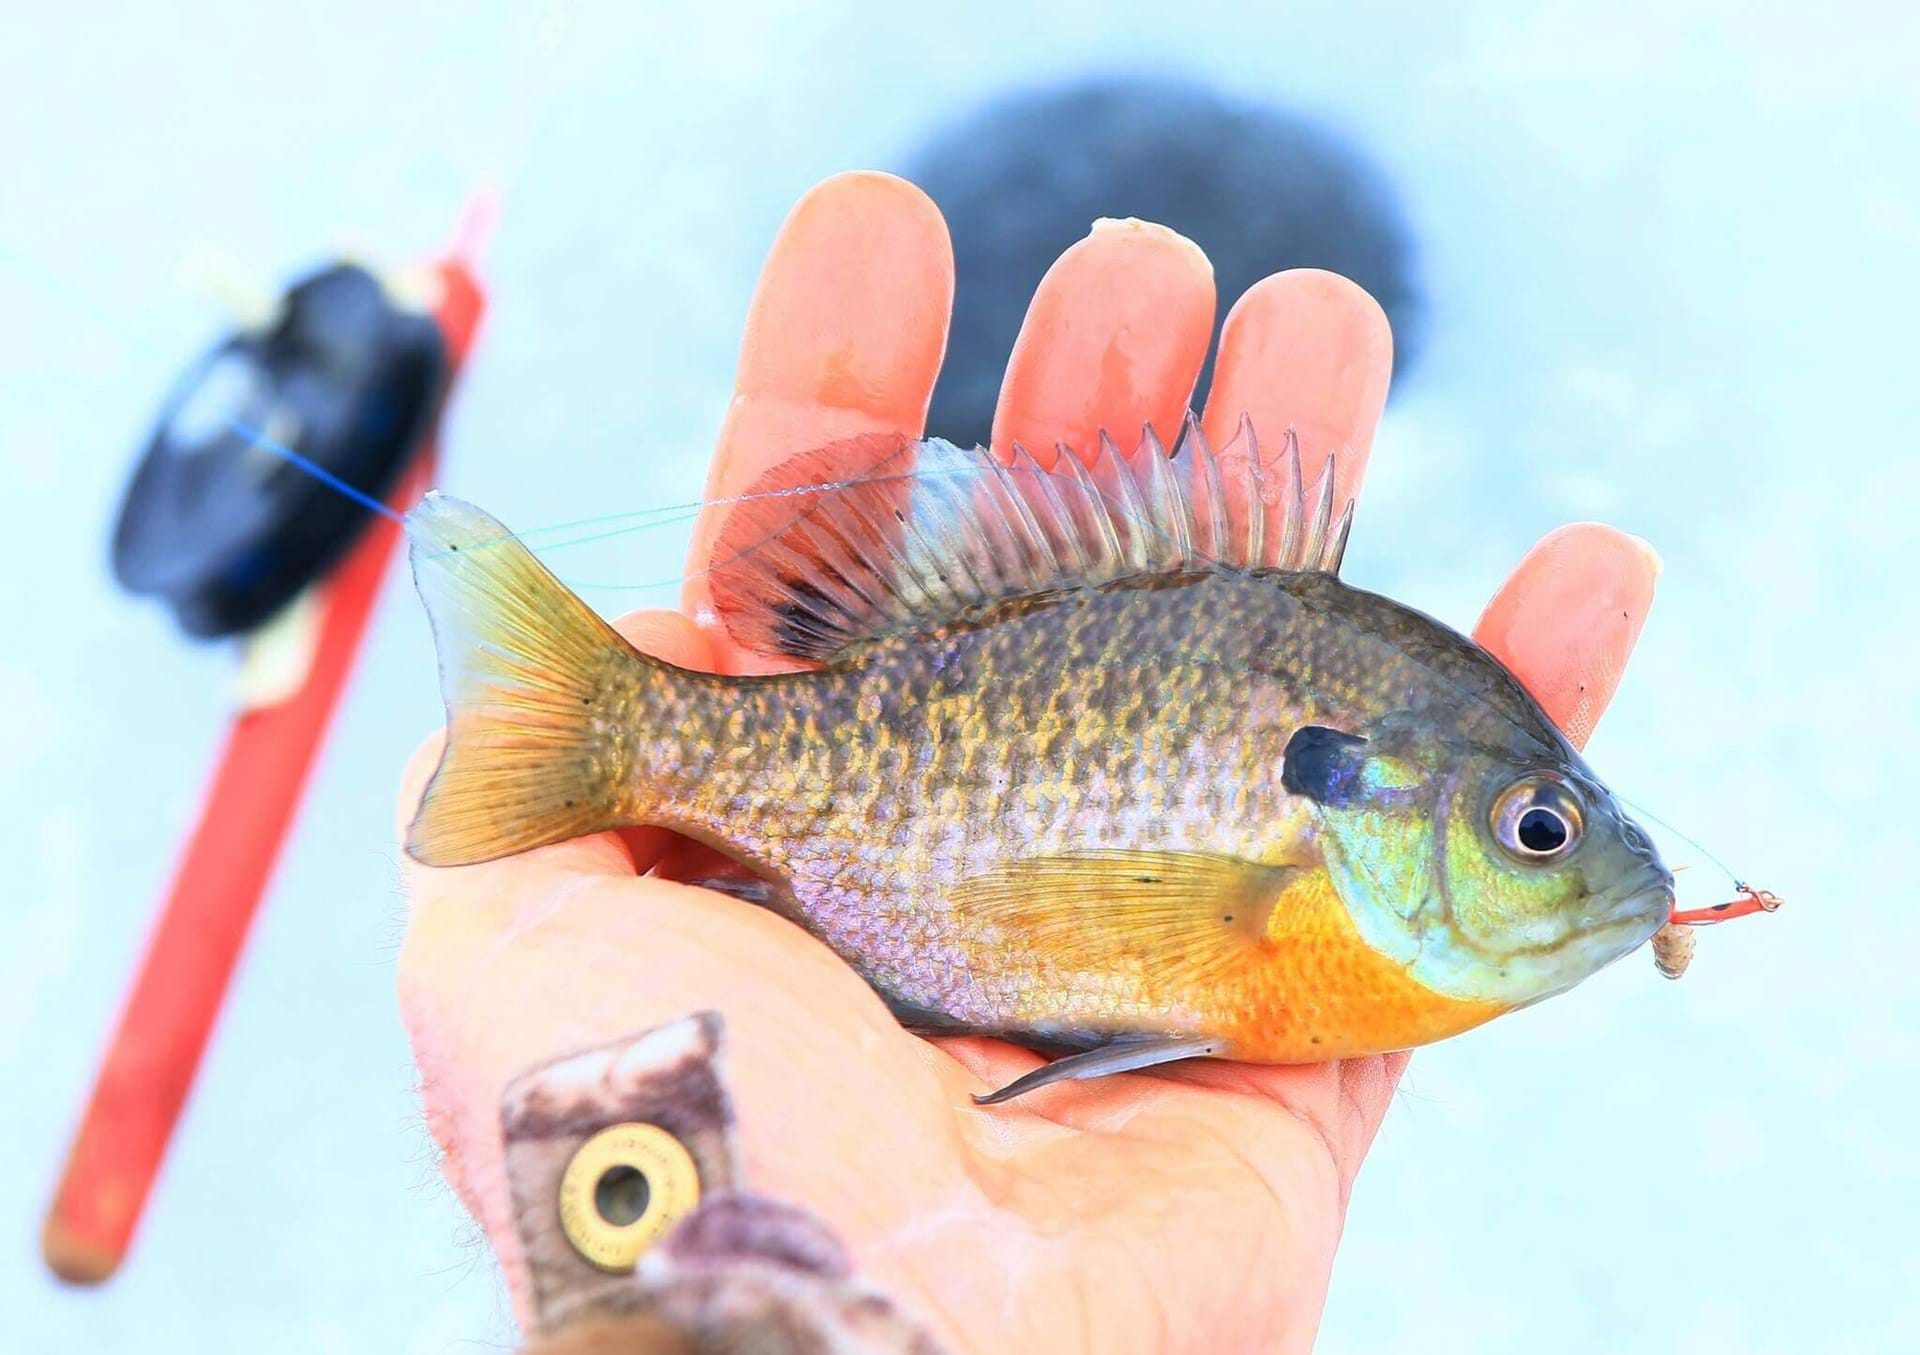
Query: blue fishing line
[(256, 438)]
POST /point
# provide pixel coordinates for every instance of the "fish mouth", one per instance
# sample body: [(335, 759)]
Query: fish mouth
[(1635, 913), (1623, 923)]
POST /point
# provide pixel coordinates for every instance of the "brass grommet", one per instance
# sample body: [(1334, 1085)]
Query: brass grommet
[(623, 1189)]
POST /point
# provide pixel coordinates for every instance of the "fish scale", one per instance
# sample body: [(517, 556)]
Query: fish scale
[(853, 840)]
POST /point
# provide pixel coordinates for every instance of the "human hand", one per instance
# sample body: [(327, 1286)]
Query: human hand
[(1196, 1207)]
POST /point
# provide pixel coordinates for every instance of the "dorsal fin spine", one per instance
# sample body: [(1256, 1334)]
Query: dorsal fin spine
[(1289, 542), (959, 553), (1061, 524), (1037, 549), (1033, 557), (1322, 511), (1168, 505), (1093, 518), (1256, 506), (1133, 525), (1331, 560), (1203, 467), (896, 566), (931, 531)]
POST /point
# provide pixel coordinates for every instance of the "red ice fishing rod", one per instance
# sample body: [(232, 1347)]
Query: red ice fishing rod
[(348, 379)]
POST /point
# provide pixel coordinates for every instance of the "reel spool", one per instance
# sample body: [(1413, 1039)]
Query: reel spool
[(225, 530)]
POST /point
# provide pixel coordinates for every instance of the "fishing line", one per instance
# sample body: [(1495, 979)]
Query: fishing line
[(667, 515), (650, 518), (1713, 860), (259, 440), (253, 437), (74, 302)]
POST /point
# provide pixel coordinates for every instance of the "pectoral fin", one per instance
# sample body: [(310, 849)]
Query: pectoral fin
[(1121, 1057), (1189, 917)]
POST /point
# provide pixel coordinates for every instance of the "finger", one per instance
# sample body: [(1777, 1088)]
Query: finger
[(1307, 350), (668, 635), (844, 336), (1566, 619), (663, 634), (1113, 340)]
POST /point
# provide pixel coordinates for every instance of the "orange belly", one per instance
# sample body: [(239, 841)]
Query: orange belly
[(1316, 990), (1266, 958)]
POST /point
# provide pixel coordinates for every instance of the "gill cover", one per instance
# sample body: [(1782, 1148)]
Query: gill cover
[(1406, 816)]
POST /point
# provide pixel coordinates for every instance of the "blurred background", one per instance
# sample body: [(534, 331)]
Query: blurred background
[(1654, 269)]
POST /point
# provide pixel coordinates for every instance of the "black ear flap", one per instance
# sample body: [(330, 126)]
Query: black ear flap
[(1323, 764)]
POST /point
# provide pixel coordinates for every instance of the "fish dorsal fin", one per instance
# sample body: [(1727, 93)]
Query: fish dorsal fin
[(878, 534)]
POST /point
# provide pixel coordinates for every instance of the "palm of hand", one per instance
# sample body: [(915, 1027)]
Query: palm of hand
[(1195, 1208)]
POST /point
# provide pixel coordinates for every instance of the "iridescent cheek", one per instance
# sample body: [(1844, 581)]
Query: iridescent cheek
[(1382, 776), (1383, 853), (1379, 857), (1385, 835), (1497, 904)]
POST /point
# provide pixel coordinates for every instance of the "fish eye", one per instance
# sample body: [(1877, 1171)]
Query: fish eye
[(1537, 819)]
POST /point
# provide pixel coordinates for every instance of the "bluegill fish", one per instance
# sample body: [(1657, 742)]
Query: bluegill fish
[(1102, 757)]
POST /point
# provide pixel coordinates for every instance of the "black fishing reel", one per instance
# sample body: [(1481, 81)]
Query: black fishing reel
[(217, 520)]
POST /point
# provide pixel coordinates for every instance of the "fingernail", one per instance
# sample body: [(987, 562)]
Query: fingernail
[(1645, 547), (1133, 225)]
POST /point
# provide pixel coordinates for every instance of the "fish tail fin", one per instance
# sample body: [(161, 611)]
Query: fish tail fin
[(528, 671)]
